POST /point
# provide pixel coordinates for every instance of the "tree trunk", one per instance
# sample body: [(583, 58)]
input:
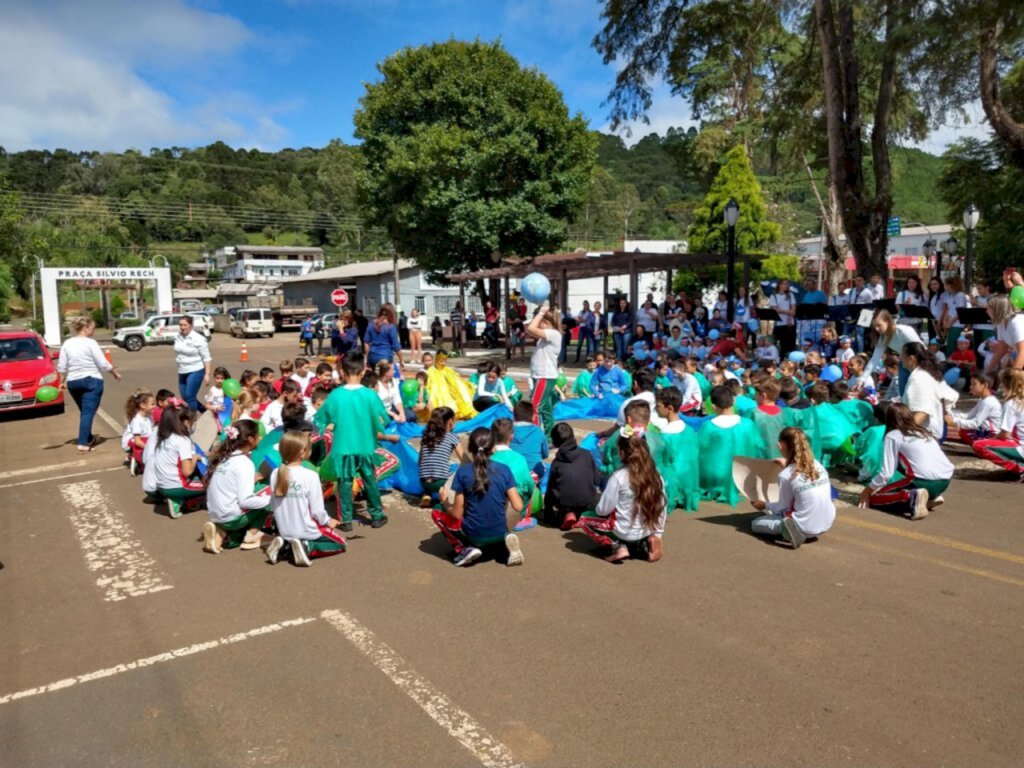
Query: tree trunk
[(999, 117)]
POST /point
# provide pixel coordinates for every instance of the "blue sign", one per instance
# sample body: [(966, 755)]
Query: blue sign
[(893, 228)]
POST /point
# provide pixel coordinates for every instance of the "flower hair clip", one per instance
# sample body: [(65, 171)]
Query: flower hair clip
[(231, 431), (174, 402), (629, 431)]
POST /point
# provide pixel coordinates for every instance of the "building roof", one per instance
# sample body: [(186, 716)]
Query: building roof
[(194, 293), (351, 271), (278, 250), (246, 289)]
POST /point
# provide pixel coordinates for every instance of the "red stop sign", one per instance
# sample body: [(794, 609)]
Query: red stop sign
[(339, 297)]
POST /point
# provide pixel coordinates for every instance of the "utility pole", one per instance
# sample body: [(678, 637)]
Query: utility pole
[(398, 288)]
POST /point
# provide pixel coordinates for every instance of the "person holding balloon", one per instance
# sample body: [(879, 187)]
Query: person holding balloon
[(544, 362), (81, 365)]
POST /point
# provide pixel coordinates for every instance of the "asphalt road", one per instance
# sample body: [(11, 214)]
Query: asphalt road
[(885, 643)]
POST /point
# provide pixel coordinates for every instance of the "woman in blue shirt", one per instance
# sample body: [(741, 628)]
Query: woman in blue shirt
[(380, 342), (345, 335)]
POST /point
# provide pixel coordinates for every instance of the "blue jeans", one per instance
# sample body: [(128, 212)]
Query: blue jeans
[(189, 384), (586, 338), (87, 394), (621, 344)]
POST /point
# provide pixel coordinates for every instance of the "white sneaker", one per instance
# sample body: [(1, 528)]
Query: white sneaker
[(210, 542), (918, 504), (274, 550), (792, 533), (299, 554), (252, 539), (515, 552), (938, 501), (133, 467)]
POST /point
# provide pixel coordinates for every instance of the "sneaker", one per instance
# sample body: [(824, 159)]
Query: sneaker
[(346, 527), (467, 556), (526, 524), (791, 532), (515, 552), (174, 508), (274, 550), (211, 541), (918, 504), (379, 522), (133, 467), (299, 554), (568, 521), (938, 501), (425, 502), (253, 538)]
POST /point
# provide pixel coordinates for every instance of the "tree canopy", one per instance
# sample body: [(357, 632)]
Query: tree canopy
[(468, 154)]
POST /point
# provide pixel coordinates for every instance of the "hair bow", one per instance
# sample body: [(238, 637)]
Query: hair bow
[(174, 402), (231, 431), (629, 431)]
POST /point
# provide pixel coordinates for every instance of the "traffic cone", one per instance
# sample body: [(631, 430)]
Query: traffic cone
[(106, 354), (245, 354)]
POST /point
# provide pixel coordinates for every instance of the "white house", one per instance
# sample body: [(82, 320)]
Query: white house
[(266, 263)]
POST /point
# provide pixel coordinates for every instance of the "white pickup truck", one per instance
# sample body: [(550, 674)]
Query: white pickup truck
[(160, 329)]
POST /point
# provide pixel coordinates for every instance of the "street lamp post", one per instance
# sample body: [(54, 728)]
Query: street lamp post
[(732, 215), (971, 216), (928, 249), (949, 248)]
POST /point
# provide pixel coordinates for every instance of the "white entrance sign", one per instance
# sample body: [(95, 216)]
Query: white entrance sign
[(49, 276)]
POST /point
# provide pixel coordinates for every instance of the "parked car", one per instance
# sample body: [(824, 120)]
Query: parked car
[(26, 365), (160, 329), (128, 316), (252, 321)]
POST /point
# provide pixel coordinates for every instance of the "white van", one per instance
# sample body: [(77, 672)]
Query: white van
[(253, 322)]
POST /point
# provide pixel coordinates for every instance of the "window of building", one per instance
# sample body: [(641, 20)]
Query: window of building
[(420, 304)]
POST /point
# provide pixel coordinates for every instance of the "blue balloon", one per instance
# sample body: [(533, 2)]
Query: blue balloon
[(952, 377), (832, 373), (796, 356), (713, 334), (535, 287), (753, 325)]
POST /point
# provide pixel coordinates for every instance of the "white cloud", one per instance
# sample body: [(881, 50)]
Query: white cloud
[(973, 123), (72, 75), (667, 111)]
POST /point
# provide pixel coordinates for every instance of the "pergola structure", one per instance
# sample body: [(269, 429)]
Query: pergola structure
[(561, 268)]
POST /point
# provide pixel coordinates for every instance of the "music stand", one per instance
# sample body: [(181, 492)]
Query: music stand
[(767, 313), (811, 311), (973, 316), (916, 312), (887, 304), (839, 313)]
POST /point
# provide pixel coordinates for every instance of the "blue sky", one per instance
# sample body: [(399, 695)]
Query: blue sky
[(114, 74)]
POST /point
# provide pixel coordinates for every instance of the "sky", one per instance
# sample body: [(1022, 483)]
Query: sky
[(119, 74)]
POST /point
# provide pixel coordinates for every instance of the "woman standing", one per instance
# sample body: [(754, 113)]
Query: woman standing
[(345, 336), (953, 299), (782, 301), (934, 305), (81, 365), (586, 322), (600, 327), (621, 324), (891, 337), (192, 355), (416, 324), (380, 342), (544, 365), (1009, 326), (911, 296)]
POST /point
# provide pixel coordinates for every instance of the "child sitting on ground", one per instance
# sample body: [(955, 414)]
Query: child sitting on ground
[(244, 407), (324, 378), (265, 395), (490, 389), (581, 386), (630, 516), (248, 378), (502, 432), (766, 395), (689, 388), (170, 461), (237, 513), (805, 508), (1007, 447), (721, 440), (678, 458), (529, 440), (436, 446), (163, 396), (985, 417), (139, 412), (388, 391), (287, 368), (298, 506), (926, 472), (573, 482), (485, 508), (290, 392), (301, 374)]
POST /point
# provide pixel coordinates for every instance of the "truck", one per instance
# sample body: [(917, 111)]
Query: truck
[(159, 329), (287, 317)]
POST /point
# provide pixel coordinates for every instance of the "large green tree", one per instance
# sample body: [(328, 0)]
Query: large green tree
[(468, 154)]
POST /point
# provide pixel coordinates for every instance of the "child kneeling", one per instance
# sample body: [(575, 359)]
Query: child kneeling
[(630, 517), (298, 505), (486, 506), (237, 513), (805, 509)]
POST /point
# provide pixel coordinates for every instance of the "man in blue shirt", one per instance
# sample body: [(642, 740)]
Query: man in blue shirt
[(608, 379)]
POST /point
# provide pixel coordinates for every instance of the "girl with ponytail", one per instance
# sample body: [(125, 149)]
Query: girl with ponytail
[(171, 460), (630, 517), (485, 507), (139, 413), (804, 509), (298, 505), (237, 512)]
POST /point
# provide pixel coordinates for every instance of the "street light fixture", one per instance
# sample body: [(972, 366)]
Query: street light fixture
[(731, 216), (971, 217), (928, 249), (948, 247)]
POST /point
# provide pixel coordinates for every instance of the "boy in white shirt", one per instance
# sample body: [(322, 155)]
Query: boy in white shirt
[(986, 415), (290, 393), (302, 375)]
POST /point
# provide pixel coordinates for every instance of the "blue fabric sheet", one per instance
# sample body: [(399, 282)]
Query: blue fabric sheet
[(589, 408), (411, 431)]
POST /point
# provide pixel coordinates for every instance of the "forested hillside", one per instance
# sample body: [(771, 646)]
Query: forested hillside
[(123, 208)]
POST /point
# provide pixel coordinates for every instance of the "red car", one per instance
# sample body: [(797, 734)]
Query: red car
[(26, 365)]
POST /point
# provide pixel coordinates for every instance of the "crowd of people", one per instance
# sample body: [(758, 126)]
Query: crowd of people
[(686, 396)]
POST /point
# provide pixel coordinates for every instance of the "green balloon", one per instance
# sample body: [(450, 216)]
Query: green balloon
[(410, 389), (561, 380), (261, 429), (232, 388), (47, 394), (1017, 296)]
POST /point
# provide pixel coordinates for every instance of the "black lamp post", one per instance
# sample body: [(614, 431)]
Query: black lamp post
[(949, 248), (732, 215), (971, 216), (928, 249)]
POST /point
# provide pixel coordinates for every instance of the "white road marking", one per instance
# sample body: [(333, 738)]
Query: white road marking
[(160, 658), (442, 710), (111, 422), (61, 477), (122, 566), (37, 470)]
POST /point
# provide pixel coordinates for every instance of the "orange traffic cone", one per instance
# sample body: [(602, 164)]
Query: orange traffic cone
[(106, 354), (245, 354)]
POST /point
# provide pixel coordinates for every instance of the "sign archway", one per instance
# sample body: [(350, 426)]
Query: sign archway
[(49, 277)]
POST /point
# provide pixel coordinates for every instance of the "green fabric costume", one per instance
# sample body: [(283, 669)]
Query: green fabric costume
[(581, 386), (679, 465), (718, 447)]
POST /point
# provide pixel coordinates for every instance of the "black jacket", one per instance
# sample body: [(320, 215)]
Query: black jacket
[(574, 478)]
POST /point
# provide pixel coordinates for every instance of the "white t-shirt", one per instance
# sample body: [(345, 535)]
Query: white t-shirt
[(909, 297), (191, 352), (1011, 332), (271, 417), (416, 323), (544, 363), (618, 499), (140, 425), (922, 394), (808, 502), (390, 396), (1013, 422), (82, 358), (162, 459), (298, 513), (303, 381), (215, 398), (986, 416), (232, 489), (777, 302), (952, 302), (923, 457), (646, 397), (877, 291)]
